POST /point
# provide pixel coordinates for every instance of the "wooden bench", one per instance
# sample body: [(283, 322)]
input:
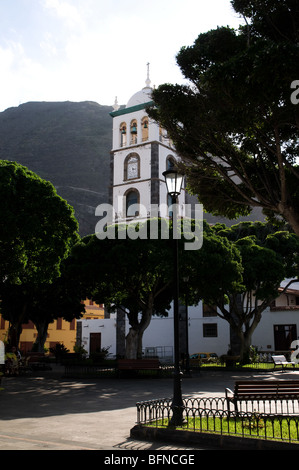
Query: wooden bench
[(262, 390), (36, 361), (135, 365), (281, 361)]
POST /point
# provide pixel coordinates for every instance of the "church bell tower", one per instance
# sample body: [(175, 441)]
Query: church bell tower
[(141, 152)]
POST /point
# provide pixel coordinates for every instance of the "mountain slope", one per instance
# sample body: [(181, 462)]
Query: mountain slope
[(66, 143), (69, 144)]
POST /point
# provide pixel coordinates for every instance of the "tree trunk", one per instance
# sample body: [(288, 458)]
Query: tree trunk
[(246, 336), (14, 333), (244, 327), (292, 217), (132, 342), (245, 347), (15, 328), (42, 330), (235, 336), (135, 335)]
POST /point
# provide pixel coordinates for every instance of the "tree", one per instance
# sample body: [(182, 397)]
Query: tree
[(136, 275), (60, 299), (267, 258), (238, 270), (41, 304), (37, 233), (234, 124), (132, 275)]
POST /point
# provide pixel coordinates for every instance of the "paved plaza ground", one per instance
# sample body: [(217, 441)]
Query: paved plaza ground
[(45, 411)]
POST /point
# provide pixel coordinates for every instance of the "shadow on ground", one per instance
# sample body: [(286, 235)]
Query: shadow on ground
[(47, 394)]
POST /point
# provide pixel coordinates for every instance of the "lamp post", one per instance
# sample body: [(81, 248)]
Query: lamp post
[(187, 362), (174, 181)]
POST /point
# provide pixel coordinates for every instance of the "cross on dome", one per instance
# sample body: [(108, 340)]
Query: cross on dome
[(148, 81), (144, 95)]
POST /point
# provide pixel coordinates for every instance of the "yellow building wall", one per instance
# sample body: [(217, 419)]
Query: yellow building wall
[(60, 331)]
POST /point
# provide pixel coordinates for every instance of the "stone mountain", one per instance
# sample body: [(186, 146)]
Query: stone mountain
[(67, 144)]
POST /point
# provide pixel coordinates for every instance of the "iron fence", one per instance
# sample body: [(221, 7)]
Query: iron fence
[(210, 415)]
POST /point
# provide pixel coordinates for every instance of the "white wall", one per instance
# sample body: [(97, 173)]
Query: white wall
[(160, 331), (107, 328), (197, 343), (263, 337)]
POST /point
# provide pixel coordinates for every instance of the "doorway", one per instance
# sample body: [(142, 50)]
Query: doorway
[(94, 342), (283, 336)]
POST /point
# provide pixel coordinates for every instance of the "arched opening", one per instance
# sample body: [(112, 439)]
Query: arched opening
[(132, 202), (123, 134), (132, 166), (133, 130), (170, 162), (144, 128)]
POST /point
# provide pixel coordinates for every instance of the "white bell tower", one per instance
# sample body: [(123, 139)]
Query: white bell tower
[(141, 152)]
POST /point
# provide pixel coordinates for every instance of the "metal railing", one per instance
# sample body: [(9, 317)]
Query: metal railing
[(210, 415)]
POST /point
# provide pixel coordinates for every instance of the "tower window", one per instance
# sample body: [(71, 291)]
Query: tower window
[(123, 134), (133, 130), (144, 127), (170, 163), (132, 203)]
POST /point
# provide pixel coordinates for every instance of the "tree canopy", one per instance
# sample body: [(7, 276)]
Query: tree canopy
[(132, 275), (36, 235), (137, 275), (38, 226), (238, 270), (265, 258), (233, 123), (41, 304)]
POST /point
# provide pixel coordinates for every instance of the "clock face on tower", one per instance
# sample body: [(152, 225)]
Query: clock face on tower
[(132, 168)]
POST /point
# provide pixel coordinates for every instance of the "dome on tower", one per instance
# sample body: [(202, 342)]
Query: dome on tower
[(142, 96)]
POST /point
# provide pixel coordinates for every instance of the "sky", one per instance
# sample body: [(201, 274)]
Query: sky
[(96, 50)]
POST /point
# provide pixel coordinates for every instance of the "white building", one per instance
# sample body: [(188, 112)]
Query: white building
[(205, 333), (277, 329)]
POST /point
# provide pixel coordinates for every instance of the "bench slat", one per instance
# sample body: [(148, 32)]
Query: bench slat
[(273, 389), (263, 391)]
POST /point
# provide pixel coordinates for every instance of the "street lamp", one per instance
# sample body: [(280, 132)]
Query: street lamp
[(187, 362), (174, 181)]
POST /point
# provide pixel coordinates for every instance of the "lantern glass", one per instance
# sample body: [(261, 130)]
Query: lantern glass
[(174, 181)]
